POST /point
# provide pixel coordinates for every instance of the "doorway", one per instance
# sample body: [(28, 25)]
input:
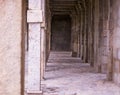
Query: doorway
[(61, 33)]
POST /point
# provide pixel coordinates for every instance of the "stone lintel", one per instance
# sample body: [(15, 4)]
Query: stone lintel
[(34, 16)]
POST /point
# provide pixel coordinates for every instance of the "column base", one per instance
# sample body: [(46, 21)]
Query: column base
[(34, 93)]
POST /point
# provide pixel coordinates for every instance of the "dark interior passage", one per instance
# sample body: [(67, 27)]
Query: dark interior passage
[(61, 33)]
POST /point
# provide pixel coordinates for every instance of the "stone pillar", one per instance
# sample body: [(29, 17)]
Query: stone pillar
[(116, 41), (81, 28), (34, 19), (75, 35), (96, 35), (104, 36), (84, 36), (43, 41), (48, 28), (110, 62), (48, 32), (78, 35), (42, 53), (72, 34), (89, 34), (81, 34)]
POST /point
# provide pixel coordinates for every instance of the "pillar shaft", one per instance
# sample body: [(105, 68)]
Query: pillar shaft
[(34, 19), (74, 36), (43, 48), (34, 57), (84, 37)]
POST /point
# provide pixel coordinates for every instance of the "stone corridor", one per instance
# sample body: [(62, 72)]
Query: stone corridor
[(34, 34), (66, 75)]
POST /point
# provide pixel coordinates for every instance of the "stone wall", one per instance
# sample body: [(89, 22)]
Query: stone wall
[(61, 33), (10, 47)]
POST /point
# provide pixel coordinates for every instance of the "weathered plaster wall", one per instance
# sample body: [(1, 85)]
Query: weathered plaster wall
[(10, 46)]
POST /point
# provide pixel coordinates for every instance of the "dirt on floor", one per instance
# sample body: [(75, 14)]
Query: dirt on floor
[(66, 75)]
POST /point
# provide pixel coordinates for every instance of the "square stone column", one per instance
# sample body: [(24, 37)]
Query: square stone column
[(43, 49), (34, 19)]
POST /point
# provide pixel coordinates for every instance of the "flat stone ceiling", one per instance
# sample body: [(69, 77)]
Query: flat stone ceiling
[(64, 6)]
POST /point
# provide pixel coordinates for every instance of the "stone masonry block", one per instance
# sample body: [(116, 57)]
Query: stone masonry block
[(34, 16), (34, 4)]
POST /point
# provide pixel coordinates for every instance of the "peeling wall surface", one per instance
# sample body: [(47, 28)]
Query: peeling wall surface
[(10, 46)]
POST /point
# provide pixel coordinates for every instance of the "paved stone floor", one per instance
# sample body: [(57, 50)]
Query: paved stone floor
[(66, 75)]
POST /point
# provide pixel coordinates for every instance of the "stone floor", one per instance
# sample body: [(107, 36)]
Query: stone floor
[(66, 75)]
